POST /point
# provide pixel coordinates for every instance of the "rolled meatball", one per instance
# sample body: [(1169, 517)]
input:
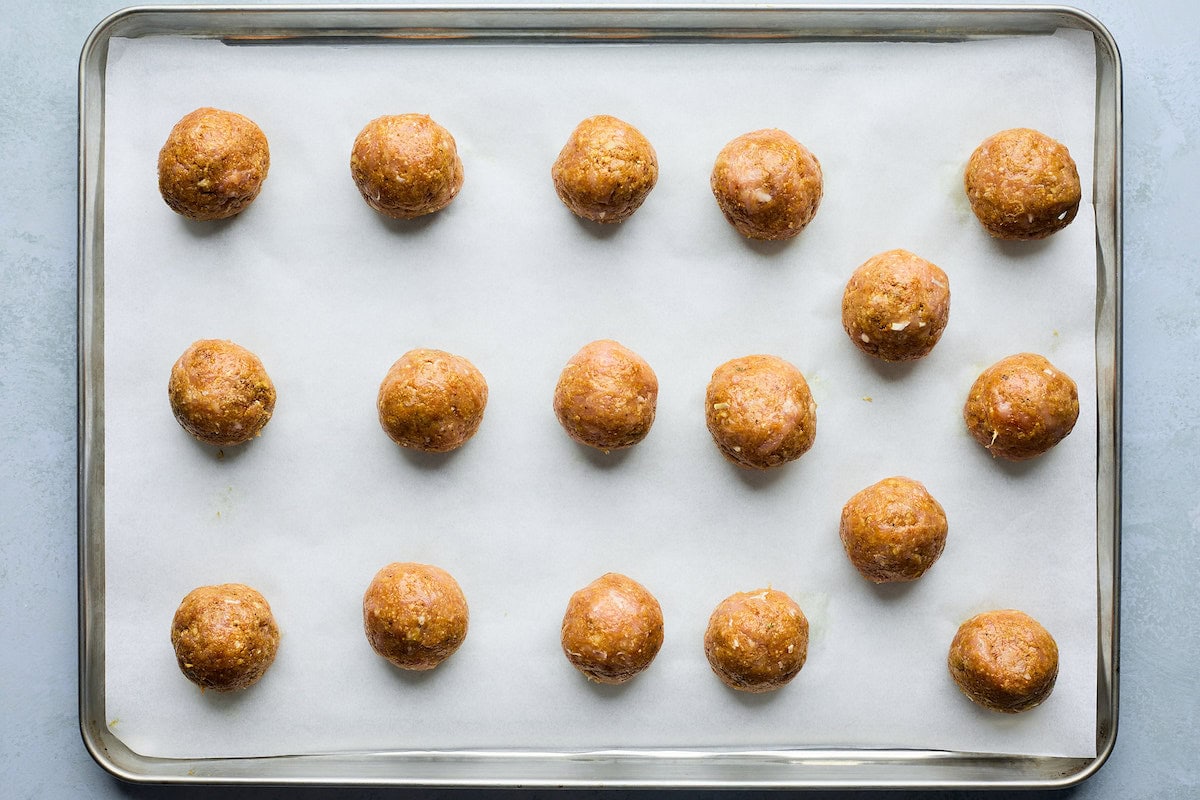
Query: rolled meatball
[(213, 164), (606, 396), (415, 615), (406, 165), (896, 306), (757, 641), (1004, 660), (1022, 185), (760, 411), (220, 393), (613, 629), (225, 637), (893, 530), (432, 401), (767, 184), (606, 170), (1021, 406)]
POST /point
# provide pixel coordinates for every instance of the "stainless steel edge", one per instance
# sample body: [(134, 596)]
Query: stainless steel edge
[(1108, 203), (802, 768), (97, 739), (591, 20)]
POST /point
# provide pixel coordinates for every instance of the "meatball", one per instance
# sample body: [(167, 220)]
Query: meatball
[(1021, 406), (213, 164), (606, 170), (225, 637), (893, 531), (432, 401), (757, 641), (767, 184), (415, 615), (406, 166), (606, 396), (613, 629), (1022, 185), (220, 393), (760, 412), (896, 306), (1004, 660)]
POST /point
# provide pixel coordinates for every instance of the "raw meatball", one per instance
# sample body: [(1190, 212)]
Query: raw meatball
[(1021, 406), (432, 401), (605, 170), (220, 393), (406, 165), (613, 629), (606, 396), (1022, 185), (767, 184), (760, 412), (1004, 660), (415, 615), (225, 637), (896, 306), (893, 531), (213, 164), (757, 641)]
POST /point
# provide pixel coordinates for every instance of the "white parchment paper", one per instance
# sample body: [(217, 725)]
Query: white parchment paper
[(329, 294)]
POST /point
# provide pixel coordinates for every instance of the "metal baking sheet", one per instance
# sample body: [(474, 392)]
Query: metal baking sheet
[(775, 765)]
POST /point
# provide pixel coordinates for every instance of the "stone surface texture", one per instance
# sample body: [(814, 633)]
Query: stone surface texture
[(41, 753)]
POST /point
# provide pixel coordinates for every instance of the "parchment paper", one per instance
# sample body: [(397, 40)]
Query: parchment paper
[(329, 294)]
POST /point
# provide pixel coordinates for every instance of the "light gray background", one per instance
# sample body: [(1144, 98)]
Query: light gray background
[(41, 754)]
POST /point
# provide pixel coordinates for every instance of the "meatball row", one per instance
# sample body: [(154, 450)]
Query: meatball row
[(758, 408), (415, 616), (1021, 184)]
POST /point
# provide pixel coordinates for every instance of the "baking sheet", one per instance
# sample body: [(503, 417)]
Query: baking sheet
[(329, 294)]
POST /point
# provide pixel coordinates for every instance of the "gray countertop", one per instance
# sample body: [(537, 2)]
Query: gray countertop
[(41, 753)]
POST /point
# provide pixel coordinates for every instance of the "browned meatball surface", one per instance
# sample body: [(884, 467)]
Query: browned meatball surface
[(225, 637), (896, 306), (1004, 660), (415, 615), (613, 629), (1022, 185), (1021, 406), (767, 184), (757, 641), (606, 170), (406, 165), (220, 393), (432, 401), (606, 396), (893, 530), (760, 411), (213, 164)]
